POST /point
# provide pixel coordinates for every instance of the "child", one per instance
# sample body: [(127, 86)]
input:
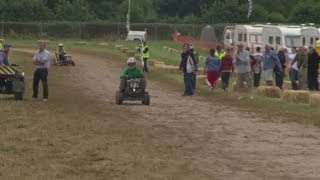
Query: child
[(212, 69)]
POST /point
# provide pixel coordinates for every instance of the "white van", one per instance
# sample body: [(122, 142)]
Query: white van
[(282, 36), (137, 35), (248, 35), (309, 36)]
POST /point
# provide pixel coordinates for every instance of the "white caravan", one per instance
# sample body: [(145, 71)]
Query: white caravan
[(309, 36), (282, 36), (248, 35), (137, 35)]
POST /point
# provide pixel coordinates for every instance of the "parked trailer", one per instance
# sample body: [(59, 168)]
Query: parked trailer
[(248, 35), (309, 36), (282, 36)]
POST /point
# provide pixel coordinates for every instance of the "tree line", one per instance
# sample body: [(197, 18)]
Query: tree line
[(163, 11)]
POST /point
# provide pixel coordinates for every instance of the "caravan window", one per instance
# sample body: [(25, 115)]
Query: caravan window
[(259, 39), (245, 38), (317, 39), (253, 38), (270, 40), (278, 40), (292, 41), (304, 41), (239, 37), (311, 41)]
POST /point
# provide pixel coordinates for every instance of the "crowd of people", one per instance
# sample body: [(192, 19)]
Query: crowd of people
[(251, 66)]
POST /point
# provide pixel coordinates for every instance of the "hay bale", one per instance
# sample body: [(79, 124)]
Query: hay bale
[(119, 46), (269, 91), (131, 53), (80, 43), (152, 62), (300, 96), (124, 49), (45, 41), (171, 69), (103, 44), (315, 99)]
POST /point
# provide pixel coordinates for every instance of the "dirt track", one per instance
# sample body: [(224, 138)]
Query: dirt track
[(181, 137)]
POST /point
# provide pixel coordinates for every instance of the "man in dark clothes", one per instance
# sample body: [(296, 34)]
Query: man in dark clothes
[(280, 75), (313, 66)]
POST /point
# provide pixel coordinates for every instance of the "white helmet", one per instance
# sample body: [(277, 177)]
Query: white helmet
[(131, 62), (60, 45)]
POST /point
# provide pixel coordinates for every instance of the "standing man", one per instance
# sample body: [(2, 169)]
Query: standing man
[(187, 66), (269, 61), (243, 70), (302, 64), (146, 56), (313, 66), (256, 66), (42, 62), (279, 76)]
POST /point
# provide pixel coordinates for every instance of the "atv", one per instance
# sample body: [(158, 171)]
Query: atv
[(65, 61), (133, 92), (12, 81)]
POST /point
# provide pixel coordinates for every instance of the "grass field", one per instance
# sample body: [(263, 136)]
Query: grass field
[(297, 112), (81, 134)]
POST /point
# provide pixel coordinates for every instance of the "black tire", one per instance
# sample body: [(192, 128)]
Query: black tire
[(146, 99), (72, 63), (18, 96), (119, 98)]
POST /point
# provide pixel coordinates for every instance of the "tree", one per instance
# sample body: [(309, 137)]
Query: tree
[(76, 10)]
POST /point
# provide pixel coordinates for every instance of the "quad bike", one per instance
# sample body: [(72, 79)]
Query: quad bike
[(12, 81), (133, 92), (67, 60)]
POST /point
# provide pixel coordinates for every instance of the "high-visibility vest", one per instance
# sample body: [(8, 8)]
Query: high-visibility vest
[(220, 55), (147, 54)]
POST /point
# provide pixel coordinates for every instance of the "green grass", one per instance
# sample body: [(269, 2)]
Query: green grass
[(267, 106)]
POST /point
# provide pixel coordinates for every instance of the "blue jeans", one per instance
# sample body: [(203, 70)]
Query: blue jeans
[(188, 83), (293, 74)]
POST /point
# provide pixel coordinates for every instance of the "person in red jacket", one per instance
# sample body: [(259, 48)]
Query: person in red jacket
[(226, 68)]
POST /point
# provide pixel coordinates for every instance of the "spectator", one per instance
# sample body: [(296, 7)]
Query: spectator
[(187, 66), (42, 62), (219, 52), (196, 56), (293, 69), (279, 75), (212, 69), (256, 66), (313, 66), (243, 70), (270, 60), (302, 65), (226, 68)]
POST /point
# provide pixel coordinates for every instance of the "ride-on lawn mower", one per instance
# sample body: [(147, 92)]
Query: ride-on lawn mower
[(12, 81), (63, 60), (134, 92)]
